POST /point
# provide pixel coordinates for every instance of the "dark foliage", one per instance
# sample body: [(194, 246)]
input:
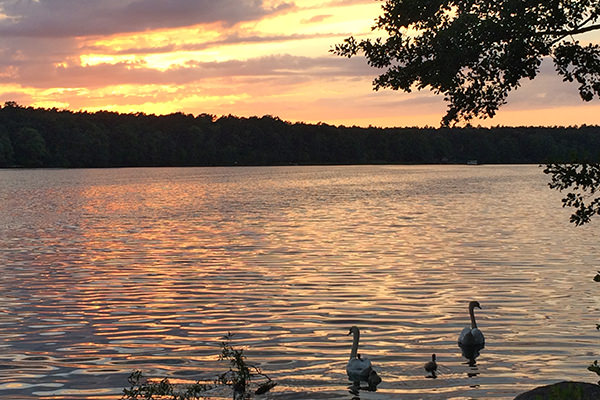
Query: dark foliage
[(241, 373), (583, 181), (475, 52), (239, 377), (140, 388), (35, 137)]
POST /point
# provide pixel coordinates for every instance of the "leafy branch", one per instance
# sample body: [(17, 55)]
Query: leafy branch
[(595, 367), (583, 183), (240, 373), (141, 388), (239, 377)]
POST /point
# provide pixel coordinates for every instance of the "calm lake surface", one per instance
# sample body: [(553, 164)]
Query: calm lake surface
[(107, 271)]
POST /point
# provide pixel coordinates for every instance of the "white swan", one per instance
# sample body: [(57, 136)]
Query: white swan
[(471, 336), (358, 368)]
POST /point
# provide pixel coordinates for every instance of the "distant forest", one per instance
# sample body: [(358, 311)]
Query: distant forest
[(37, 137)]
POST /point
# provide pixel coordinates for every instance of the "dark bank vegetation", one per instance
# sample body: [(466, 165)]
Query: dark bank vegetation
[(37, 137)]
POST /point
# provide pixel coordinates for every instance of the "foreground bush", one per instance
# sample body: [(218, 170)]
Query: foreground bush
[(239, 378)]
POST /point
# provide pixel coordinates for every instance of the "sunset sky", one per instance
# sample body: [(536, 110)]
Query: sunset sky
[(241, 57)]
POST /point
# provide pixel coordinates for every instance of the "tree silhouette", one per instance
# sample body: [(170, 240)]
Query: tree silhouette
[(475, 52)]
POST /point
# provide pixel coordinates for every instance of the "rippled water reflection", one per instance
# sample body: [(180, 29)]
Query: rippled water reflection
[(106, 271)]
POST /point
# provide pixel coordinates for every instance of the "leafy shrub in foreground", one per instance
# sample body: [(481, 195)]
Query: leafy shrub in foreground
[(239, 377)]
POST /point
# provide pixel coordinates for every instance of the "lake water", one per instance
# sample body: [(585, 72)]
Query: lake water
[(107, 271)]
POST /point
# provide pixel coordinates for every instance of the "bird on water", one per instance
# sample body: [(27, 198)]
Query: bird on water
[(471, 336), (360, 369), (431, 367)]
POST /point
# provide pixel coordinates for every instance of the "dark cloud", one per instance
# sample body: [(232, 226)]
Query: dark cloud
[(233, 39), (67, 18), (288, 65), (340, 3), (316, 19), (281, 67)]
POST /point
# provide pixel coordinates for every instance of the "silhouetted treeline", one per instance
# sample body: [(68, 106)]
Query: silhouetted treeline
[(36, 137)]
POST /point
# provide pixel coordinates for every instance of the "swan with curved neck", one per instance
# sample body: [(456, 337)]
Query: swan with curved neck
[(358, 368), (471, 336)]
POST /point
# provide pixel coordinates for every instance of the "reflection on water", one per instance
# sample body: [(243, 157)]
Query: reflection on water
[(106, 271), (471, 352)]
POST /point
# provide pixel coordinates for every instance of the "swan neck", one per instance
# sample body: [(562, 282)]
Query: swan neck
[(472, 314), (354, 351)]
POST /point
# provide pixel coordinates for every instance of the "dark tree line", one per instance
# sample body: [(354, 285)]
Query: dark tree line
[(36, 137)]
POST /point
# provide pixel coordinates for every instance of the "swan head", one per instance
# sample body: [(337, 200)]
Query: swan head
[(474, 304), (433, 357), (352, 330)]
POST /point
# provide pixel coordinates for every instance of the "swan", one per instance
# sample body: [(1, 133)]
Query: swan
[(471, 336), (431, 366), (358, 368)]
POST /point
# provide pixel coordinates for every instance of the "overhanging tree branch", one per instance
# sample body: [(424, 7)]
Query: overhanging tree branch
[(570, 32), (497, 43)]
